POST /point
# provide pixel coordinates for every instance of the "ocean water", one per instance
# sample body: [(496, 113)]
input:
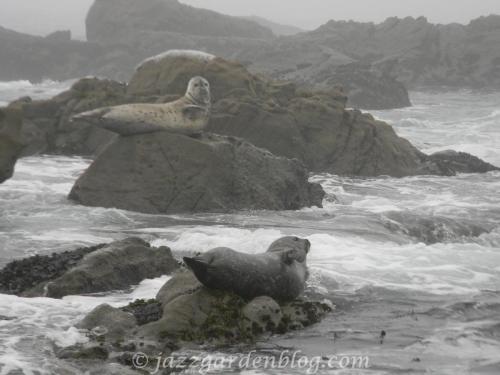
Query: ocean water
[(416, 257)]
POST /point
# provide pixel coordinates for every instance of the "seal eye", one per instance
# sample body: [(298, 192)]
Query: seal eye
[(196, 85)]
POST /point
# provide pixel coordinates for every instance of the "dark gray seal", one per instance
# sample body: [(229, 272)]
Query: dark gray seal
[(187, 115), (279, 273)]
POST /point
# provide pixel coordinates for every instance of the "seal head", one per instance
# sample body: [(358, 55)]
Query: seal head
[(198, 91)]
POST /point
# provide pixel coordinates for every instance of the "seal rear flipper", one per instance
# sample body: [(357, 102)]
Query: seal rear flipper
[(198, 266), (93, 117)]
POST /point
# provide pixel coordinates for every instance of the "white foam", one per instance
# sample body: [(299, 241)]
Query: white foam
[(173, 53)]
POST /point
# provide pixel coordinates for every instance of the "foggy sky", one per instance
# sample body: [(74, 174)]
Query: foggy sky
[(45, 16)]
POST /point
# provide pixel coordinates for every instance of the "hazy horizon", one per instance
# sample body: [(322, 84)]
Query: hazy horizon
[(46, 16)]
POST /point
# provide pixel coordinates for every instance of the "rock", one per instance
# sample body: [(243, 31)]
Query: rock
[(115, 21), (172, 173), (78, 352), (461, 162), (59, 36), (262, 314), (108, 322), (277, 28), (194, 313), (311, 126), (365, 88), (144, 311), (47, 126), (22, 275), (117, 265), (10, 141)]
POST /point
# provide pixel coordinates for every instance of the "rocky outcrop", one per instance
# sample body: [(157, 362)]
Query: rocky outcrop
[(111, 21), (47, 126), (172, 173), (88, 270), (277, 28), (10, 141), (411, 50), (461, 162), (365, 88), (312, 126), (192, 316)]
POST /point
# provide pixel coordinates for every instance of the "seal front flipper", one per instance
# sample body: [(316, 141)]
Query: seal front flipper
[(194, 112)]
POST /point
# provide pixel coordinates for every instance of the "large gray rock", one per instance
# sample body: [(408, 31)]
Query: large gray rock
[(10, 141), (171, 173), (118, 265), (112, 21)]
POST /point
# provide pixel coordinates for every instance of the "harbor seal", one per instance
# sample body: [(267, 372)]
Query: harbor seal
[(279, 273), (187, 115)]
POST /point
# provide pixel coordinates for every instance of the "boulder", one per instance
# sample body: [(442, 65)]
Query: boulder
[(10, 141), (172, 173), (102, 268), (461, 162), (108, 321)]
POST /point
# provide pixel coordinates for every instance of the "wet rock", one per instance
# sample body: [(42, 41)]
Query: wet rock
[(461, 162), (109, 323), (118, 265), (22, 275), (172, 173), (10, 141), (194, 313), (144, 311), (79, 352), (262, 314)]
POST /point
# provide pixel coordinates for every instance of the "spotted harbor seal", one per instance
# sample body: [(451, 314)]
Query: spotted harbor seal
[(279, 273), (187, 115)]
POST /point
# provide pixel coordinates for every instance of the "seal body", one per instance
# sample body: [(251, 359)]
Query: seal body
[(279, 273), (187, 115)]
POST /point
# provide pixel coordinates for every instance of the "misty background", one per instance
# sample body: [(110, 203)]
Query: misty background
[(45, 16)]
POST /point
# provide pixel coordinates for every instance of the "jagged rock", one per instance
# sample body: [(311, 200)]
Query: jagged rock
[(171, 173), (10, 141), (117, 265)]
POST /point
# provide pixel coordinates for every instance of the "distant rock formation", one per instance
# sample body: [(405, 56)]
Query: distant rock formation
[(110, 21), (277, 28)]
